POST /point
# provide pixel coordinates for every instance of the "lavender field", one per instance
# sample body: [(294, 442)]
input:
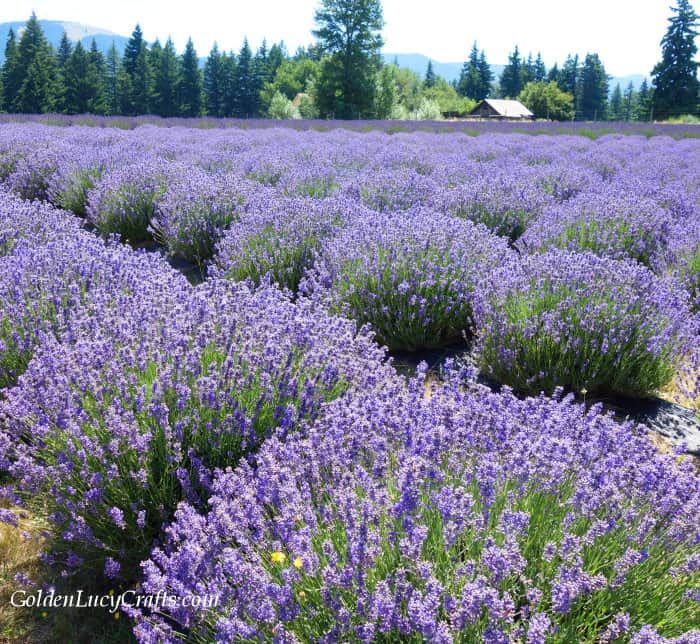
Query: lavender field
[(244, 434)]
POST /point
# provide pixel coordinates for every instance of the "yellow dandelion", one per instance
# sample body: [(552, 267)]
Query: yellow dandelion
[(302, 595), (278, 557), (298, 563)]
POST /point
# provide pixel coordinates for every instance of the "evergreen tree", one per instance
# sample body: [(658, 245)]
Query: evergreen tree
[(569, 75), (83, 93), (98, 70), (153, 55), (190, 89), (615, 109), (63, 54), (628, 102), (245, 98), (485, 76), (527, 71), (349, 33), (112, 66), (11, 79), (429, 80), (387, 92), (36, 67), (593, 89), (228, 84), (275, 58), (64, 51), (469, 82), (512, 76), (675, 77), (553, 74), (540, 71), (644, 102), (166, 81), (135, 86), (213, 83)]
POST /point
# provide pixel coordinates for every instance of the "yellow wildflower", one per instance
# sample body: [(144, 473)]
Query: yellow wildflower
[(278, 557), (298, 563)]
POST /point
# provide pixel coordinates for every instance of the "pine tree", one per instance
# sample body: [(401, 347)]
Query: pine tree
[(349, 32), (276, 58), (675, 77), (593, 89), (644, 102), (387, 92), (96, 72), (429, 80), (190, 89), (245, 83), (553, 74), (512, 76), (112, 66), (166, 80), (569, 77), (485, 77), (135, 86), (615, 109), (213, 90), (628, 102), (11, 79), (83, 93), (36, 67), (63, 54), (527, 71), (540, 71), (469, 81), (228, 84)]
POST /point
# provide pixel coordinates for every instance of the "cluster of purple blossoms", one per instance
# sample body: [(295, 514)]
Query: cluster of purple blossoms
[(582, 322), (124, 201), (619, 226), (461, 516), (146, 396), (195, 210), (411, 276), (277, 239), (241, 440)]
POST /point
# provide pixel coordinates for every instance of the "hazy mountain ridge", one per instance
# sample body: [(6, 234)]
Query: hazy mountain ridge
[(104, 37), (53, 29)]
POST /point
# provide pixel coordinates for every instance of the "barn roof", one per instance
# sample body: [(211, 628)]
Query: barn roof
[(507, 108)]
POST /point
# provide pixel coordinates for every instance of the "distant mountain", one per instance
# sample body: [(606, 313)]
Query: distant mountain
[(53, 29), (450, 71)]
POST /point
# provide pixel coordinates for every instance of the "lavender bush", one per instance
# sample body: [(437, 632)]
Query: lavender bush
[(162, 391), (277, 240), (619, 226), (41, 287), (195, 210), (412, 277), (124, 200), (462, 517), (581, 322)]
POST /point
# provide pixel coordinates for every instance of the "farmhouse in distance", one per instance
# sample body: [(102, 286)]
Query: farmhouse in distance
[(502, 109)]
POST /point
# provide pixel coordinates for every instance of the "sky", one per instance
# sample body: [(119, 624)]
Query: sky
[(626, 33)]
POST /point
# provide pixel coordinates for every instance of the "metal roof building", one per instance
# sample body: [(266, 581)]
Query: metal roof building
[(501, 109)]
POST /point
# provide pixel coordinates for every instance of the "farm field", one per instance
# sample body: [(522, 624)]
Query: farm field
[(237, 429)]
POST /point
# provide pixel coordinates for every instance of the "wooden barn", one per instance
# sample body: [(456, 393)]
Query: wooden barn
[(493, 108)]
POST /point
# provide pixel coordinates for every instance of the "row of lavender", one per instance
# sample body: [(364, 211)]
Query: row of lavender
[(257, 450), (569, 262)]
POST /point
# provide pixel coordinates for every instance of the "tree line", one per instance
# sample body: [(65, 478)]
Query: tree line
[(340, 76)]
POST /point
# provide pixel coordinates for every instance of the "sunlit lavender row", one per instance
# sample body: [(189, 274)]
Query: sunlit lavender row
[(248, 437)]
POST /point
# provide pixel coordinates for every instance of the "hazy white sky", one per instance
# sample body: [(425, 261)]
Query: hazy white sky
[(626, 33)]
